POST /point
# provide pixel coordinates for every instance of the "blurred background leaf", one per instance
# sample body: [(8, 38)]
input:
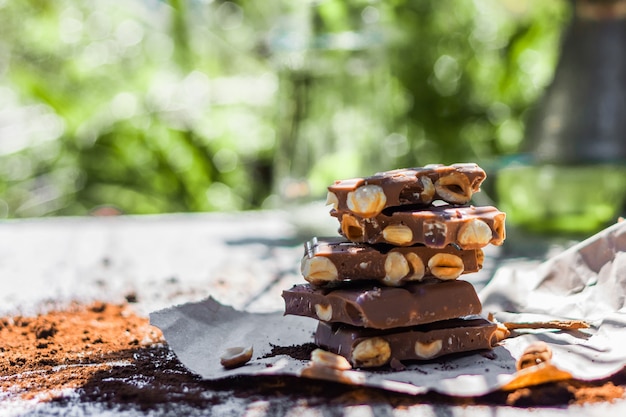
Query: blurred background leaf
[(187, 106)]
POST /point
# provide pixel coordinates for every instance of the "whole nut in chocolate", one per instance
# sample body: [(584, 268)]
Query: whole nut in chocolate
[(474, 234), (396, 268), (417, 267), (321, 357), (445, 266), (371, 352), (428, 350), (398, 234), (352, 228), (367, 200), (454, 188), (324, 312), (318, 270)]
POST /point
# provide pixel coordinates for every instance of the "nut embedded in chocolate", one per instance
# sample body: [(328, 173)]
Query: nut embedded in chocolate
[(321, 357), (396, 268), (367, 200), (428, 350), (371, 352), (398, 234), (445, 266), (454, 188)]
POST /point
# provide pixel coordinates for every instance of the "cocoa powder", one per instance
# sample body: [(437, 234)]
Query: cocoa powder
[(108, 355)]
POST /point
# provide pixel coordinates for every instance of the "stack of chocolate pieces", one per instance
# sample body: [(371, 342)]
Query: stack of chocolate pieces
[(387, 289)]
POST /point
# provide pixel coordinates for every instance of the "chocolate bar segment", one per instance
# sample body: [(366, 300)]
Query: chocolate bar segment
[(367, 197), (364, 305), (373, 348), (468, 227), (336, 259)]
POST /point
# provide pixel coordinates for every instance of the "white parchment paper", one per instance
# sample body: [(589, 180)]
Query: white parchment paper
[(585, 282)]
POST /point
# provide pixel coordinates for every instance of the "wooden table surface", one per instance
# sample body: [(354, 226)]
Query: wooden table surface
[(241, 259)]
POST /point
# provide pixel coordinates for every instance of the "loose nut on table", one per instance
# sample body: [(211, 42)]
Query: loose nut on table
[(371, 352), (319, 270), (396, 268), (428, 350), (536, 353), (322, 357), (454, 188), (446, 266), (398, 234), (367, 200), (236, 356), (474, 234)]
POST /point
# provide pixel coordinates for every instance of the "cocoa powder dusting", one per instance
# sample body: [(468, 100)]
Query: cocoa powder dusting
[(106, 354)]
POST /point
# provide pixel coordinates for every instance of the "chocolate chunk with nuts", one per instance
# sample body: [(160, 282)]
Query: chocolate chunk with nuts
[(361, 304), (468, 227), (329, 260), (369, 196), (372, 348)]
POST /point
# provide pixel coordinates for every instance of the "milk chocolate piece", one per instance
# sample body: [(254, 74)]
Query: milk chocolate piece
[(367, 197), (370, 347), (468, 227), (364, 305), (329, 260)]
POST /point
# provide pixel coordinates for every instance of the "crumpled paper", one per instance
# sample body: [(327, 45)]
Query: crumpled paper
[(586, 282)]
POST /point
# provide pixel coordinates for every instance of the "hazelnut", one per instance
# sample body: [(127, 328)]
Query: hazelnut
[(480, 258), (367, 200), (500, 334), (428, 193), (331, 199), (534, 354), (236, 356), (417, 267), (454, 188), (351, 228), (371, 352), (319, 270), (398, 234), (320, 357), (324, 312), (428, 350), (396, 268), (474, 234), (446, 266), (499, 229)]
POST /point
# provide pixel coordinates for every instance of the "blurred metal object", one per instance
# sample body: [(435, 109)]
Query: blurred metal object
[(582, 116)]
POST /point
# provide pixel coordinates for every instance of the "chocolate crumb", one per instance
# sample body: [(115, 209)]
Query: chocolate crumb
[(299, 352)]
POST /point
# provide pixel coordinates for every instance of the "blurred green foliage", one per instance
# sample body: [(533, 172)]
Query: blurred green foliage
[(208, 105)]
